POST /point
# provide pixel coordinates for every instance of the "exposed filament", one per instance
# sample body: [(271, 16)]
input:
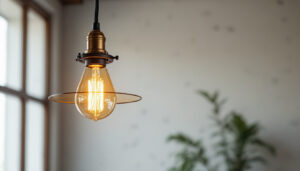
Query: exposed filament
[(95, 92)]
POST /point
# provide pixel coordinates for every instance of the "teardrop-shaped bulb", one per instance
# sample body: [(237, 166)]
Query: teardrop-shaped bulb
[(95, 97)]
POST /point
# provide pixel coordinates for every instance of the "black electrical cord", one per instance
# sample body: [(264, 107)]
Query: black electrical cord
[(96, 25)]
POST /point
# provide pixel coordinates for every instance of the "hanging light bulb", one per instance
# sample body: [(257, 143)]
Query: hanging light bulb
[(95, 97), (97, 102)]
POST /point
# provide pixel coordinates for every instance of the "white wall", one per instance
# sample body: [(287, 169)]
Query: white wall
[(249, 50)]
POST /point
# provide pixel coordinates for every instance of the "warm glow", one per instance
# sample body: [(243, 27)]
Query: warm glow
[(95, 66), (95, 92), (95, 96)]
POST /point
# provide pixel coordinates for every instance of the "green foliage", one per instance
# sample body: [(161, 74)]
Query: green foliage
[(193, 153), (233, 139)]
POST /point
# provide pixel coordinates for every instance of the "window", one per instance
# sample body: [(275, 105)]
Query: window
[(3, 47), (24, 85), (3, 33)]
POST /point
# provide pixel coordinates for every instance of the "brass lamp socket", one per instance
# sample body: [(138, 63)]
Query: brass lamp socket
[(96, 42), (96, 53)]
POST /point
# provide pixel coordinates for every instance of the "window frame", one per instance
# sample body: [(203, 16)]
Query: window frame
[(27, 5)]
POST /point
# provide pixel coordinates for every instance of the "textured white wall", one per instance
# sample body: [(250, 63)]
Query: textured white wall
[(249, 50)]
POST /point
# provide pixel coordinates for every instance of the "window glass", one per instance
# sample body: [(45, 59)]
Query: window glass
[(10, 44), (34, 156), (3, 49), (2, 130), (36, 54), (10, 132)]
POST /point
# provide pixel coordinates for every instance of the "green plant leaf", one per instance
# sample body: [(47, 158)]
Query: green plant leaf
[(204, 93), (215, 96), (238, 122), (261, 143), (184, 139), (187, 160), (216, 109), (237, 125)]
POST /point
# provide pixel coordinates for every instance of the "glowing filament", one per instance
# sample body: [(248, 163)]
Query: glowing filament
[(95, 92)]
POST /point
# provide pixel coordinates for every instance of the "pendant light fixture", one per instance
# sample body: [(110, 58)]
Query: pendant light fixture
[(95, 97)]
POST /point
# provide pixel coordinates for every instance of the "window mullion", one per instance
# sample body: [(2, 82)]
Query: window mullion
[(46, 106), (23, 101)]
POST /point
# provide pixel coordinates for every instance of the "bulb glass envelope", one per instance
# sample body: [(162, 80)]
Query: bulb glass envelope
[(69, 97)]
